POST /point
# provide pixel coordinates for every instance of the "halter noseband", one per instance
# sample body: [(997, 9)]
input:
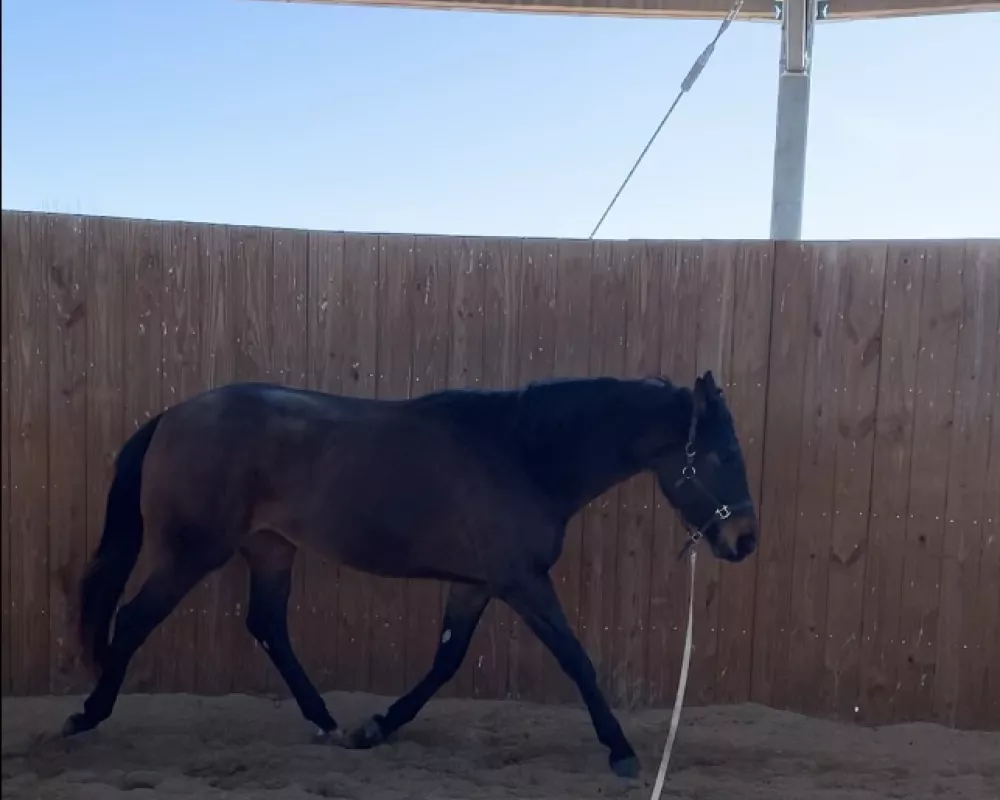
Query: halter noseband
[(690, 475)]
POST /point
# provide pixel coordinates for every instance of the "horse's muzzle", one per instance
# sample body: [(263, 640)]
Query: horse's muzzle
[(737, 539)]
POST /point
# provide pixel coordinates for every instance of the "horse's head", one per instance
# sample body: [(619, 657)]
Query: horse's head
[(706, 479)]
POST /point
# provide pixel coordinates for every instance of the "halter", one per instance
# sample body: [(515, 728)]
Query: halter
[(690, 475)]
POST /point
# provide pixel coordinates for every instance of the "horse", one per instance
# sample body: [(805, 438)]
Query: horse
[(471, 487)]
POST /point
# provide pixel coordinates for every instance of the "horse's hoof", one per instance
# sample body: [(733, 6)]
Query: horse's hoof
[(334, 738), (368, 735), (627, 767), (77, 723)]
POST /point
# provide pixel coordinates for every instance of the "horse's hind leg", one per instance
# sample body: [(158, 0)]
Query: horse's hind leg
[(270, 559), (461, 616), (163, 590)]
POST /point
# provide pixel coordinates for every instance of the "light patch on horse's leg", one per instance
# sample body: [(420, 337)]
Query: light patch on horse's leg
[(446, 636)]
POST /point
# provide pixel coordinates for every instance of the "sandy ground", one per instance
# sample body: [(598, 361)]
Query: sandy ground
[(240, 747)]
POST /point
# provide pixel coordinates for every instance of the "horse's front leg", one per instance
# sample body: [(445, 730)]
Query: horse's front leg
[(535, 600)]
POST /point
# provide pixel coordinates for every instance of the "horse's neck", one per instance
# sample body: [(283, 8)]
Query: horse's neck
[(586, 459), (588, 480)]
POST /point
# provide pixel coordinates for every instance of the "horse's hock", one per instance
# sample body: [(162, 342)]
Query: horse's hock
[(863, 378)]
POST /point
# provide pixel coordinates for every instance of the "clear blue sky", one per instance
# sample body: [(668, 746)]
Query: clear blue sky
[(443, 122)]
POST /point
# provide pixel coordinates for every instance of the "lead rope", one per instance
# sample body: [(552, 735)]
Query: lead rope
[(681, 685)]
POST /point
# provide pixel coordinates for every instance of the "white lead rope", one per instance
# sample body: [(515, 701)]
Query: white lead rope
[(681, 685)]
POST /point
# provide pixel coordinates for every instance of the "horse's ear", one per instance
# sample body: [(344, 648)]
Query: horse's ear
[(705, 392), (700, 397)]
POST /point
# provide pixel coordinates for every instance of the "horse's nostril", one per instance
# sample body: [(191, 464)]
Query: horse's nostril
[(746, 544)]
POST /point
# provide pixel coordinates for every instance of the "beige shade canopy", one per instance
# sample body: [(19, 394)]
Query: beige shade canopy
[(690, 9)]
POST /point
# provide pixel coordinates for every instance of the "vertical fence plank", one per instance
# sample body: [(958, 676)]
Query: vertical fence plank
[(536, 356), (571, 359), (504, 285), (715, 263), (889, 492), (980, 706), (290, 321), (181, 377), (858, 334), (985, 713), (746, 395), (355, 353), (940, 317), (598, 590), (6, 267), (290, 367), (668, 585), (815, 481), (465, 365), (637, 499), (958, 645), (29, 450), (251, 305), (328, 316), (65, 256), (790, 336), (143, 265), (216, 358), (106, 242), (430, 310), (395, 381)]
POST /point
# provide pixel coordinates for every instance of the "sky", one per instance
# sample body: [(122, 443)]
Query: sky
[(392, 120)]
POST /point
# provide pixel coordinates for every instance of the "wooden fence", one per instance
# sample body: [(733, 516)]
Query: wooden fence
[(872, 368)]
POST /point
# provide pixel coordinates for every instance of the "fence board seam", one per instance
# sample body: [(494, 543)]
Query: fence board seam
[(871, 481), (760, 485)]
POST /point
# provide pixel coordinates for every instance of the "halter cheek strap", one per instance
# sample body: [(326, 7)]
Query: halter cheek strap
[(689, 475)]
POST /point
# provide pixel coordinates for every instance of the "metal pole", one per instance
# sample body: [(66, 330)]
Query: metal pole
[(792, 126)]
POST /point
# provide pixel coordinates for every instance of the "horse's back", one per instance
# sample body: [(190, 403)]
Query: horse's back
[(384, 487)]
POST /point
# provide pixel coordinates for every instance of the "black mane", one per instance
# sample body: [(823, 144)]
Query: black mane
[(573, 436), (545, 411), (553, 408)]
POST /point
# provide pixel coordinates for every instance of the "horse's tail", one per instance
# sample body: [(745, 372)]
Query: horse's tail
[(103, 583)]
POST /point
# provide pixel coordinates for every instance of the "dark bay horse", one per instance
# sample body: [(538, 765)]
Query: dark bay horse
[(471, 487)]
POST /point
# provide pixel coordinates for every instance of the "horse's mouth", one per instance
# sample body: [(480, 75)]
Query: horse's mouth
[(735, 549)]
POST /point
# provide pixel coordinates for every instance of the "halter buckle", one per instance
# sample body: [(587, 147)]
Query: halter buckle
[(688, 472), (723, 512)]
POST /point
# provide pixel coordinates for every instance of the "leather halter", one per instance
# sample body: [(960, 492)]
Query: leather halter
[(689, 475)]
